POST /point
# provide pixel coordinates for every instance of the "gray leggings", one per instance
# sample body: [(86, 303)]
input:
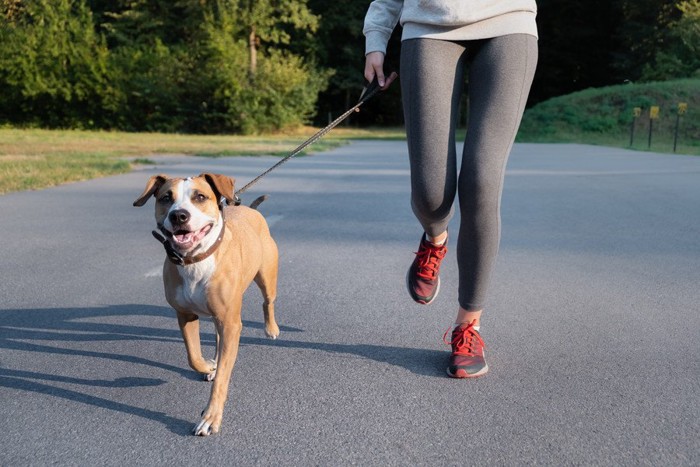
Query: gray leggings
[(432, 79)]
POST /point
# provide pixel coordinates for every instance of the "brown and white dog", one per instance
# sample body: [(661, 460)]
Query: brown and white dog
[(214, 253)]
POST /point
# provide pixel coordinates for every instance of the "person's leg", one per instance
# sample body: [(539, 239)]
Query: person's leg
[(432, 76), (500, 76)]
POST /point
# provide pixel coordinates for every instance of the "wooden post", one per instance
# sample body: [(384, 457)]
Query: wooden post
[(636, 112), (682, 108), (653, 115)]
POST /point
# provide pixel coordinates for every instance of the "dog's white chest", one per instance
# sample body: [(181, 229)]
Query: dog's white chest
[(192, 294)]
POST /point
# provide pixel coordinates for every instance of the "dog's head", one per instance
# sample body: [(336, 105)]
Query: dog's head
[(187, 209)]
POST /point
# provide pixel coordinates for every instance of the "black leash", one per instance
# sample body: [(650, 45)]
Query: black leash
[(368, 92)]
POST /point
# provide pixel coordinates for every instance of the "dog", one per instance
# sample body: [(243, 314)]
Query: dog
[(214, 251)]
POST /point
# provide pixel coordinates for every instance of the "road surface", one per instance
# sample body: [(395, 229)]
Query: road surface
[(592, 329)]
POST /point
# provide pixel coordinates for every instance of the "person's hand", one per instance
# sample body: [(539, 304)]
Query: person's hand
[(374, 66)]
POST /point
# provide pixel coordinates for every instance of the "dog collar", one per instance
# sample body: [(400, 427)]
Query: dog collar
[(175, 257)]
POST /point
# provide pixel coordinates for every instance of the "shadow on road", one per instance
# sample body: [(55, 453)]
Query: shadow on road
[(21, 329), (424, 362), (175, 425)]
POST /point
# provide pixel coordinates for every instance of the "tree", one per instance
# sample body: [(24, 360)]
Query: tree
[(52, 64), (211, 65), (680, 58), (642, 32), (273, 23), (129, 22), (257, 86), (688, 27)]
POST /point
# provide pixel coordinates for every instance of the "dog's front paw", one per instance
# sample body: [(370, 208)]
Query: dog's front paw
[(272, 330), (209, 424)]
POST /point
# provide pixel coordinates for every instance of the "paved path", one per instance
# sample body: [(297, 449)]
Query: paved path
[(592, 330)]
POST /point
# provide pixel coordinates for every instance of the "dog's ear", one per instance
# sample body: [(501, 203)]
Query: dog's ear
[(222, 186), (154, 183)]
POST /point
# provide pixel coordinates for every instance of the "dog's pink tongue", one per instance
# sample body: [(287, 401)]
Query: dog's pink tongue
[(191, 238), (184, 238)]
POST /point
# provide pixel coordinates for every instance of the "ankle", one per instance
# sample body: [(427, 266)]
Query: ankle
[(465, 316), (438, 240)]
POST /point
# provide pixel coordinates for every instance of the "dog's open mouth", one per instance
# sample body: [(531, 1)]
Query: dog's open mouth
[(187, 239)]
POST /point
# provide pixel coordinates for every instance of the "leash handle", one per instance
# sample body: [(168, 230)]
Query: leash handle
[(373, 88), (367, 93)]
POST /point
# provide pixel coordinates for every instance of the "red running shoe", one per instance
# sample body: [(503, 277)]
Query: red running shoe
[(467, 359), (423, 279)]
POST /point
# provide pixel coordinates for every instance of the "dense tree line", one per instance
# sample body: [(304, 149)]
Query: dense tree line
[(247, 66), (166, 65)]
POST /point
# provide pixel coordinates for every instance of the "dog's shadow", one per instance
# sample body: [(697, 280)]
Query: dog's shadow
[(44, 330)]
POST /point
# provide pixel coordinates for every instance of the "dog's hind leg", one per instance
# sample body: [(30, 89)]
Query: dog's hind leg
[(189, 326), (266, 279)]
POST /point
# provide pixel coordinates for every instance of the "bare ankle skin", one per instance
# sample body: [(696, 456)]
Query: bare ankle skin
[(439, 240), (467, 316)]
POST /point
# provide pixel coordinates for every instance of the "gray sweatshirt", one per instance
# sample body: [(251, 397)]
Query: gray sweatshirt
[(447, 20)]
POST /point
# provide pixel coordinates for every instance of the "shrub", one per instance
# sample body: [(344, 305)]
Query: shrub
[(151, 82), (53, 66)]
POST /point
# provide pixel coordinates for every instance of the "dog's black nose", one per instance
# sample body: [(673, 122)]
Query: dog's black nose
[(179, 217)]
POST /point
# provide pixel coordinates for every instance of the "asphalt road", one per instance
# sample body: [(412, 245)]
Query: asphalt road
[(592, 329)]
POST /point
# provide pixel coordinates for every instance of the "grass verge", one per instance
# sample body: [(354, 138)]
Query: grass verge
[(34, 159), (605, 116)]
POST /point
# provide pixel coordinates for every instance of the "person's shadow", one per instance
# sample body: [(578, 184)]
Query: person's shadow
[(33, 330)]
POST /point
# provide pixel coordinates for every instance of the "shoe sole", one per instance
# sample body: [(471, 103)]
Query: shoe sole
[(418, 300), (461, 374)]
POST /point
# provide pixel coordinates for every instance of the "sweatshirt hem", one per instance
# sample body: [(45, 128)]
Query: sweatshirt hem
[(517, 22)]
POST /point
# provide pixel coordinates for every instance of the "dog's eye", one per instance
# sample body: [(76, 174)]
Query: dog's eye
[(166, 198), (200, 198)]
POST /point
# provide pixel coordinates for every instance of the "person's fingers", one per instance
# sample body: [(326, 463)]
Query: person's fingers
[(380, 77), (390, 80), (374, 66)]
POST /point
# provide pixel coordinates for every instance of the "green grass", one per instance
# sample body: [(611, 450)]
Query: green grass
[(34, 159), (604, 116), (27, 173)]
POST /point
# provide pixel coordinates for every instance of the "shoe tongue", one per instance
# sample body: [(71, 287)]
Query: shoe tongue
[(456, 325)]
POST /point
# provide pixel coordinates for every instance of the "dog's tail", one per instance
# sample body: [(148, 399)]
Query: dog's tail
[(258, 201)]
